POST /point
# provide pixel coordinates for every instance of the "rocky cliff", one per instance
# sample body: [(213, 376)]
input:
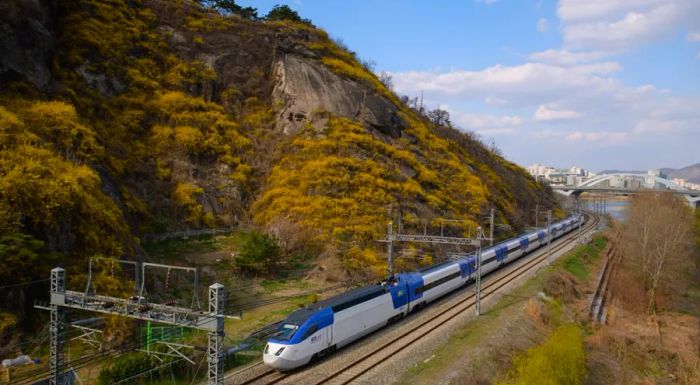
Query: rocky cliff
[(126, 117), (304, 88)]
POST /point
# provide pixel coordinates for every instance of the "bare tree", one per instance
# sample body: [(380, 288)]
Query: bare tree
[(657, 241), (386, 79), (439, 117)]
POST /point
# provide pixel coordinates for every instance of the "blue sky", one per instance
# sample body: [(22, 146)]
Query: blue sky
[(594, 83)]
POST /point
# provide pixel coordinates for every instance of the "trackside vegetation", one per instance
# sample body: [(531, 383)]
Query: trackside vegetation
[(532, 335), (559, 360)]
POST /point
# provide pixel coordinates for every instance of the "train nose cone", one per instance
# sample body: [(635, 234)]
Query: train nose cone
[(274, 357)]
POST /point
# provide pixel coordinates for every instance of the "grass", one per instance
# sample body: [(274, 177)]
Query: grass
[(474, 332), (689, 302), (177, 248), (575, 261)]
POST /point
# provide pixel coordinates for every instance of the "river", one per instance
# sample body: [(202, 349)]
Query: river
[(617, 209)]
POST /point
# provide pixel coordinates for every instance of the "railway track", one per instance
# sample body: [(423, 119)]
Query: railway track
[(355, 368), (269, 376), (597, 310)]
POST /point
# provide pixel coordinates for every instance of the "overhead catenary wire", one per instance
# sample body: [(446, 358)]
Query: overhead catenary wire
[(273, 300), (169, 363), (24, 283)]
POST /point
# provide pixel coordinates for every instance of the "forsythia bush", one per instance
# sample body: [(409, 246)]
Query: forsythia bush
[(560, 360), (44, 192), (343, 180)]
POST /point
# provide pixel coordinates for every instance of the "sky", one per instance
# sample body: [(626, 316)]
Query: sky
[(600, 84)]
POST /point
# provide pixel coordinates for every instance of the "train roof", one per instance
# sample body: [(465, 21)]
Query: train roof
[(301, 315)]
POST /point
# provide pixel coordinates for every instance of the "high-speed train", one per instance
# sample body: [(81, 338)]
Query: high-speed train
[(323, 327)]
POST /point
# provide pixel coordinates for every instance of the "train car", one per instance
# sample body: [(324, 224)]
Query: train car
[(320, 328), (323, 327)]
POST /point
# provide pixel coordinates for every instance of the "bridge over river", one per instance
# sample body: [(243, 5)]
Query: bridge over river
[(628, 183)]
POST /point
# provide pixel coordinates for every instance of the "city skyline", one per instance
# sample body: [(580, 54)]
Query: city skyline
[(609, 84)]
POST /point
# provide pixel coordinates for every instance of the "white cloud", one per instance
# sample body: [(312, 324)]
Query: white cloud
[(547, 134), (599, 68), (618, 25), (542, 25), (572, 103), (565, 57), (662, 126), (493, 101), (577, 10), (693, 36), (495, 131), (487, 124), (607, 137), (545, 113), (525, 84)]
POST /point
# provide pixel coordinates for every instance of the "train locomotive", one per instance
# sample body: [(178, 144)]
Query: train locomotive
[(320, 328)]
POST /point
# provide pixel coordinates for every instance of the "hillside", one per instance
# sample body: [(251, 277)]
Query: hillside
[(690, 173), (121, 118)]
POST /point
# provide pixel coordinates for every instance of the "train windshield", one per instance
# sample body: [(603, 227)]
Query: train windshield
[(285, 332)]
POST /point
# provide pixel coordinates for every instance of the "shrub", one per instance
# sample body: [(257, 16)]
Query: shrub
[(129, 365), (560, 360), (186, 195), (257, 252)]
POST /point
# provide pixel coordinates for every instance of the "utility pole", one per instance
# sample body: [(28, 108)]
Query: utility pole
[(491, 230), (605, 205), (390, 248), (57, 326), (215, 347), (549, 240), (478, 273), (580, 218)]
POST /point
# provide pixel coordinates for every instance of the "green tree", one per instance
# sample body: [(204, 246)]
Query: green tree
[(257, 252), (283, 12), (228, 7)]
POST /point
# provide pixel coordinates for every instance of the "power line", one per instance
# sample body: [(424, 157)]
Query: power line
[(170, 363), (24, 284)]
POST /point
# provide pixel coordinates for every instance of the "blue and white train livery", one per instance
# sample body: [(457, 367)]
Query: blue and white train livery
[(327, 325)]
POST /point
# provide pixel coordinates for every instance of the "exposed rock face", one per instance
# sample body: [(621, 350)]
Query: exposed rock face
[(26, 41), (305, 88)]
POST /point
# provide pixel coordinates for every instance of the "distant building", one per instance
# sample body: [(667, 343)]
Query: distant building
[(651, 179), (567, 177), (680, 182)]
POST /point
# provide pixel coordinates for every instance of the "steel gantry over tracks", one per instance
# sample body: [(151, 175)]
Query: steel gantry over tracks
[(211, 321), (392, 237)]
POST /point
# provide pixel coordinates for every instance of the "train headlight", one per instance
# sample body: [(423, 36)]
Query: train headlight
[(267, 348), (279, 351)]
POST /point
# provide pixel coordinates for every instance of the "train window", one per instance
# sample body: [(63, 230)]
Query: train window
[(285, 332), (357, 300), (438, 282), (313, 329)]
